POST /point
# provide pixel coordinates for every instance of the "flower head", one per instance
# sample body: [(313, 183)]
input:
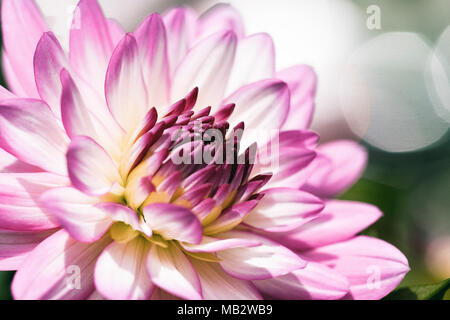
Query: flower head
[(173, 161)]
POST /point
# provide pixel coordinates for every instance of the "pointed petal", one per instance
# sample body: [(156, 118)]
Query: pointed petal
[(255, 60), (284, 209), (49, 60), (152, 42), (91, 44), (173, 222), (172, 271), (373, 267), (206, 66), (77, 213), (314, 282), (22, 25), (217, 285), (125, 89), (80, 120), (181, 25), (91, 170), (221, 17), (120, 272), (302, 83), (345, 162), (59, 268), (30, 131), (263, 106), (266, 261)]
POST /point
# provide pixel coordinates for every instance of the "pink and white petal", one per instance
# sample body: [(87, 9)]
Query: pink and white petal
[(172, 271), (10, 164), (49, 60), (181, 27), (80, 120), (91, 44), (121, 213), (373, 267), (263, 106), (217, 285), (77, 213), (346, 161), (206, 66), (284, 209), (22, 25), (75, 115), (288, 166), (302, 82), (210, 244), (124, 87), (20, 208), (174, 222), (120, 272), (152, 42), (91, 170), (221, 17), (314, 282), (265, 261), (30, 131), (339, 221), (59, 268), (255, 60), (16, 245)]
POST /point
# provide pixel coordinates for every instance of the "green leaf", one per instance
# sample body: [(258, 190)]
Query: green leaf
[(422, 292)]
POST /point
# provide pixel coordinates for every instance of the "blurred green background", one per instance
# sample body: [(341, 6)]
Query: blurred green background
[(411, 188)]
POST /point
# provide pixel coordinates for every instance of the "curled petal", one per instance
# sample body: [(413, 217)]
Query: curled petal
[(173, 222)]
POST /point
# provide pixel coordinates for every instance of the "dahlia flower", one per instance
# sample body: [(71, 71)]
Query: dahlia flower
[(104, 174)]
